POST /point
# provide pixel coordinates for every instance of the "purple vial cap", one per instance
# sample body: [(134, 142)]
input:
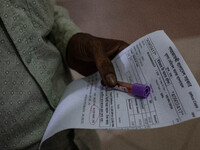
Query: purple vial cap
[(140, 90)]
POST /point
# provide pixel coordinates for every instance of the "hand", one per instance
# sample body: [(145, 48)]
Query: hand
[(86, 54)]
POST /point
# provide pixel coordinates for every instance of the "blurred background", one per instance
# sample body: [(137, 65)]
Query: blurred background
[(129, 20)]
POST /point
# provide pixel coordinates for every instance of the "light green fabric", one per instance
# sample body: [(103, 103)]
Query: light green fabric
[(33, 75)]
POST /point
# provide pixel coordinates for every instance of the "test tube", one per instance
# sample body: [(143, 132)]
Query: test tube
[(136, 89)]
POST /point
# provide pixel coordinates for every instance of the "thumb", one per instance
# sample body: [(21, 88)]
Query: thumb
[(105, 68)]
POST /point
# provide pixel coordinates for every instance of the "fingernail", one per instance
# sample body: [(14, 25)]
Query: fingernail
[(111, 79)]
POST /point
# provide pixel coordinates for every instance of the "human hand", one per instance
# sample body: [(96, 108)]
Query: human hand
[(86, 54)]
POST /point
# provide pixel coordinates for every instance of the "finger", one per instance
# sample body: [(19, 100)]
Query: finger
[(111, 53), (117, 47), (122, 46), (105, 68), (113, 47)]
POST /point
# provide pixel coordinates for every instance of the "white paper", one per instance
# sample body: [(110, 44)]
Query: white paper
[(153, 60)]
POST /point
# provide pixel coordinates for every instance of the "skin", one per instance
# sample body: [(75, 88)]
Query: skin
[(86, 54)]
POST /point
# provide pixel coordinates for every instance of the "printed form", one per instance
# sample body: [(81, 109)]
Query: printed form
[(153, 60)]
